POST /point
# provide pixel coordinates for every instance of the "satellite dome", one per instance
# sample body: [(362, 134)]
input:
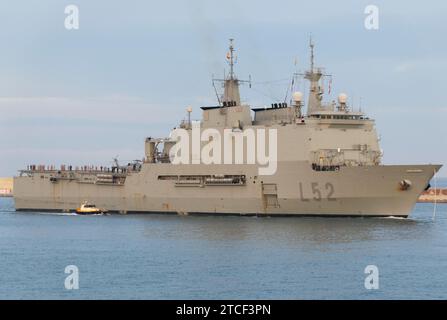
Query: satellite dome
[(297, 96), (342, 98)]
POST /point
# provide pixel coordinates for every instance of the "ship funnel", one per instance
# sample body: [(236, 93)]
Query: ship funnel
[(231, 93)]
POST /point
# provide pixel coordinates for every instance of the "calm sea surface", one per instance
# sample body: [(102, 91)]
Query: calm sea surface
[(194, 257)]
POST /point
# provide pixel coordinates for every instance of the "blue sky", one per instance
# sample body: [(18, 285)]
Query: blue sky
[(87, 95)]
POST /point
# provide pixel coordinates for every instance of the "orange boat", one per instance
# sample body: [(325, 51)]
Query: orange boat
[(88, 208)]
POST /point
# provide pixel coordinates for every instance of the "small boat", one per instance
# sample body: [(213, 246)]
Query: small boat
[(88, 208)]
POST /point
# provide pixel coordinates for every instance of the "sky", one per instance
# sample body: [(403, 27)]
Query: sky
[(86, 96)]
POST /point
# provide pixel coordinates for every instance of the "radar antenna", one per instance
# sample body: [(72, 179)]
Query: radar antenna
[(311, 45), (231, 59)]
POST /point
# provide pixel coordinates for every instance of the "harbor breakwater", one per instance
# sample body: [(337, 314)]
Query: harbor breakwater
[(6, 187)]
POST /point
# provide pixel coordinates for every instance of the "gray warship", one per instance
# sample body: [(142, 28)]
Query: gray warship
[(328, 162)]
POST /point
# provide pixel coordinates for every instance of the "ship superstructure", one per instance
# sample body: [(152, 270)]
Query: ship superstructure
[(328, 162)]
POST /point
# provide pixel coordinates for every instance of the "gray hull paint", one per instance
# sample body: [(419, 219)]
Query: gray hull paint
[(355, 191)]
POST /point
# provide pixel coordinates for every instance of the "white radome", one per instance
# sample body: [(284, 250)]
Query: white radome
[(297, 96), (342, 98)]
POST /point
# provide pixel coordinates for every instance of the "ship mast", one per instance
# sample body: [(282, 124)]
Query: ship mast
[(230, 57), (311, 45), (314, 76), (231, 85), (231, 96)]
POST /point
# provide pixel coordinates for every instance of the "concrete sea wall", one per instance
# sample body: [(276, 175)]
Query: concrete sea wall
[(6, 187)]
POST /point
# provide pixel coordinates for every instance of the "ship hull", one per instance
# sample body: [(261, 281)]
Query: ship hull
[(295, 189)]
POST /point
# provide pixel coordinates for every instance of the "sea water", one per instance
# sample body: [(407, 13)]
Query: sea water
[(154, 256)]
